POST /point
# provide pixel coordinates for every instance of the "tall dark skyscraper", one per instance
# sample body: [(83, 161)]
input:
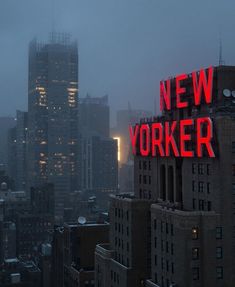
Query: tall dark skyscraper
[(53, 116)]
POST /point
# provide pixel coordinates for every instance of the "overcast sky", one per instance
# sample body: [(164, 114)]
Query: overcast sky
[(125, 46)]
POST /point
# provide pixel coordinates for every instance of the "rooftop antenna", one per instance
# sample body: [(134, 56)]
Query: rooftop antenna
[(221, 61), (52, 34)]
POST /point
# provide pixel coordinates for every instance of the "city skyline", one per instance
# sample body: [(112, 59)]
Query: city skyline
[(115, 56)]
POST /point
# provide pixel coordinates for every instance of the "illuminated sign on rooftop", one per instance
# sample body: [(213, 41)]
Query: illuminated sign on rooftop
[(178, 138)]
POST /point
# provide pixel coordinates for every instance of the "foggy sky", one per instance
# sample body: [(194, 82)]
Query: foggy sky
[(125, 46)]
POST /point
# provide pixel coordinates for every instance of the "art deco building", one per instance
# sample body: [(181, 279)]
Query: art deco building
[(53, 116), (191, 205)]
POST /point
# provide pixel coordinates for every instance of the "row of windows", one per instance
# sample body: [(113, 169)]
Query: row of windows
[(195, 253), (164, 227), (169, 248), (120, 229), (218, 234), (120, 243), (145, 194), (200, 186), (145, 179), (120, 213), (120, 259), (196, 273), (145, 165), (201, 169), (165, 264), (202, 205)]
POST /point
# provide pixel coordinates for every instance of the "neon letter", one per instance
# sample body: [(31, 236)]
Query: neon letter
[(204, 140), (203, 83), (165, 95), (157, 141), (133, 137), (169, 139), (144, 140), (185, 137), (180, 91)]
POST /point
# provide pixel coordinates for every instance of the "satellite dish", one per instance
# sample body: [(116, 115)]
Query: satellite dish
[(227, 93), (81, 220), (233, 94)]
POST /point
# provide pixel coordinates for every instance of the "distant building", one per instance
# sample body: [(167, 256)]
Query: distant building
[(53, 116), (17, 142), (15, 272), (99, 163), (94, 115), (9, 240), (32, 230), (124, 118), (43, 200), (6, 123), (125, 261), (73, 253), (185, 221), (45, 265)]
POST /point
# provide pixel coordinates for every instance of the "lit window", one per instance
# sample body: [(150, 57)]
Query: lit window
[(195, 233), (195, 253)]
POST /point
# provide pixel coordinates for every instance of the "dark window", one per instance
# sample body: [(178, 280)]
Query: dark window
[(172, 249), (200, 186), (194, 203), (172, 268), (140, 178), (218, 233), (145, 179), (219, 272), (200, 168), (233, 147), (195, 273), (201, 204), (149, 165), (167, 231), (219, 252), (233, 169), (150, 180), (233, 188), (155, 224), (144, 165), (208, 167), (172, 229), (155, 242), (208, 188), (195, 253), (209, 205), (155, 260), (193, 186), (167, 247), (162, 263), (140, 165), (167, 267), (193, 168)]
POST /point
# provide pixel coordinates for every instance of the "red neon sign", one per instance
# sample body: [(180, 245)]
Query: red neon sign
[(175, 138)]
